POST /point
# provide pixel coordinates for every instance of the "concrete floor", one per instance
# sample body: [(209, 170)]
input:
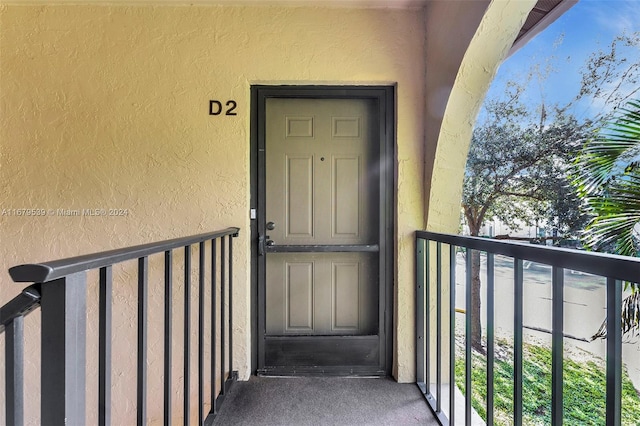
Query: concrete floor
[(324, 401)]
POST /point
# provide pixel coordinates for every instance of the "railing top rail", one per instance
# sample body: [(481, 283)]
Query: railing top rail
[(607, 265), (47, 271), (20, 305)]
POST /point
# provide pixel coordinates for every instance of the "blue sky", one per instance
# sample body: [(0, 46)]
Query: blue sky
[(583, 29)]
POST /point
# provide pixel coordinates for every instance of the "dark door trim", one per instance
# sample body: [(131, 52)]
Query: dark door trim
[(384, 96)]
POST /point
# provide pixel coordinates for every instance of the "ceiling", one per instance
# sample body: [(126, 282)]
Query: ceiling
[(540, 17)]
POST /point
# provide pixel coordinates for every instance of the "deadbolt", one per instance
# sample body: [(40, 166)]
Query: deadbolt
[(271, 226)]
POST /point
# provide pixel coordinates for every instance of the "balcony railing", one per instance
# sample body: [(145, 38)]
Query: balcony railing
[(436, 321), (61, 294)]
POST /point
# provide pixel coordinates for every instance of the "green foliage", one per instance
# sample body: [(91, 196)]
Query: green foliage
[(607, 177), (583, 391), (517, 163)]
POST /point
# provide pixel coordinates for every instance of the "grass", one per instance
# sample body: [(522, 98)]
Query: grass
[(584, 387)]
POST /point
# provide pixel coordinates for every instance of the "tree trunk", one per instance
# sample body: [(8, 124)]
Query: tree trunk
[(476, 323)]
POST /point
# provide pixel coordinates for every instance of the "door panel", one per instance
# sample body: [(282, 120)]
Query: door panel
[(298, 212), (320, 184), (345, 205), (322, 193), (345, 296), (298, 297), (321, 293)]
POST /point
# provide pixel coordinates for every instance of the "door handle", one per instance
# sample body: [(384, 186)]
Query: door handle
[(263, 242)]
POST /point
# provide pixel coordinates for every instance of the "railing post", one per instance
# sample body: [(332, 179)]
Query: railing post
[(141, 379), (614, 351), (490, 334), (201, 273), (64, 305), (557, 346), (187, 336), (14, 371), (222, 315), (104, 346), (452, 334), (468, 335), (168, 302), (438, 327), (427, 313), (214, 329), (420, 314), (230, 313), (518, 305)]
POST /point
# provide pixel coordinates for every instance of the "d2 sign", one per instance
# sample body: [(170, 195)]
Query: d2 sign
[(215, 107)]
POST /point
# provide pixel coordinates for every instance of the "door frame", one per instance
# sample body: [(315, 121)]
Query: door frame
[(384, 97)]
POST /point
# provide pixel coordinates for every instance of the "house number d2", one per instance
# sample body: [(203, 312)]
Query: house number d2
[(215, 107)]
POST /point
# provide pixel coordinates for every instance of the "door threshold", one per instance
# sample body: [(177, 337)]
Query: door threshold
[(331, 371)]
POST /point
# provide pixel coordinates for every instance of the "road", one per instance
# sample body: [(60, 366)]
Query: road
[(584, 309)]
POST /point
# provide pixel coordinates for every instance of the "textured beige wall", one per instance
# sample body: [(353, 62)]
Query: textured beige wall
[(107, 107), (445, 46)]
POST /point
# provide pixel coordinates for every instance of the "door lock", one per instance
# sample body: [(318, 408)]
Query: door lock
[(263, 242), (271, 226)]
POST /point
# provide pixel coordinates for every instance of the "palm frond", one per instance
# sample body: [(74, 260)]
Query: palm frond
[(607, 176), (611, 152)]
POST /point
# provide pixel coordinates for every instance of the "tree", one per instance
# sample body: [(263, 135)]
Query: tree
[(519, 158), (611, 77), (516, 170), (607, 176)]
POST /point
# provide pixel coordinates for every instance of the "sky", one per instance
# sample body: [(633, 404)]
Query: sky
[(566, 44)]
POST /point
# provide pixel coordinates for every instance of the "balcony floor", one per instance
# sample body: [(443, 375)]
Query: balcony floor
[(324, 401)]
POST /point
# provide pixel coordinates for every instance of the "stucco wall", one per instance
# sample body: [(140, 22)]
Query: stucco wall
[(453, 103), (107, 107)]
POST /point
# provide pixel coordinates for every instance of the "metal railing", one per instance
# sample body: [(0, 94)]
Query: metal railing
[(616, 270), (60, 292)]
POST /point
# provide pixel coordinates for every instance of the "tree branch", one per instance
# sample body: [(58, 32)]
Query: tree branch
[(532, 195)]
